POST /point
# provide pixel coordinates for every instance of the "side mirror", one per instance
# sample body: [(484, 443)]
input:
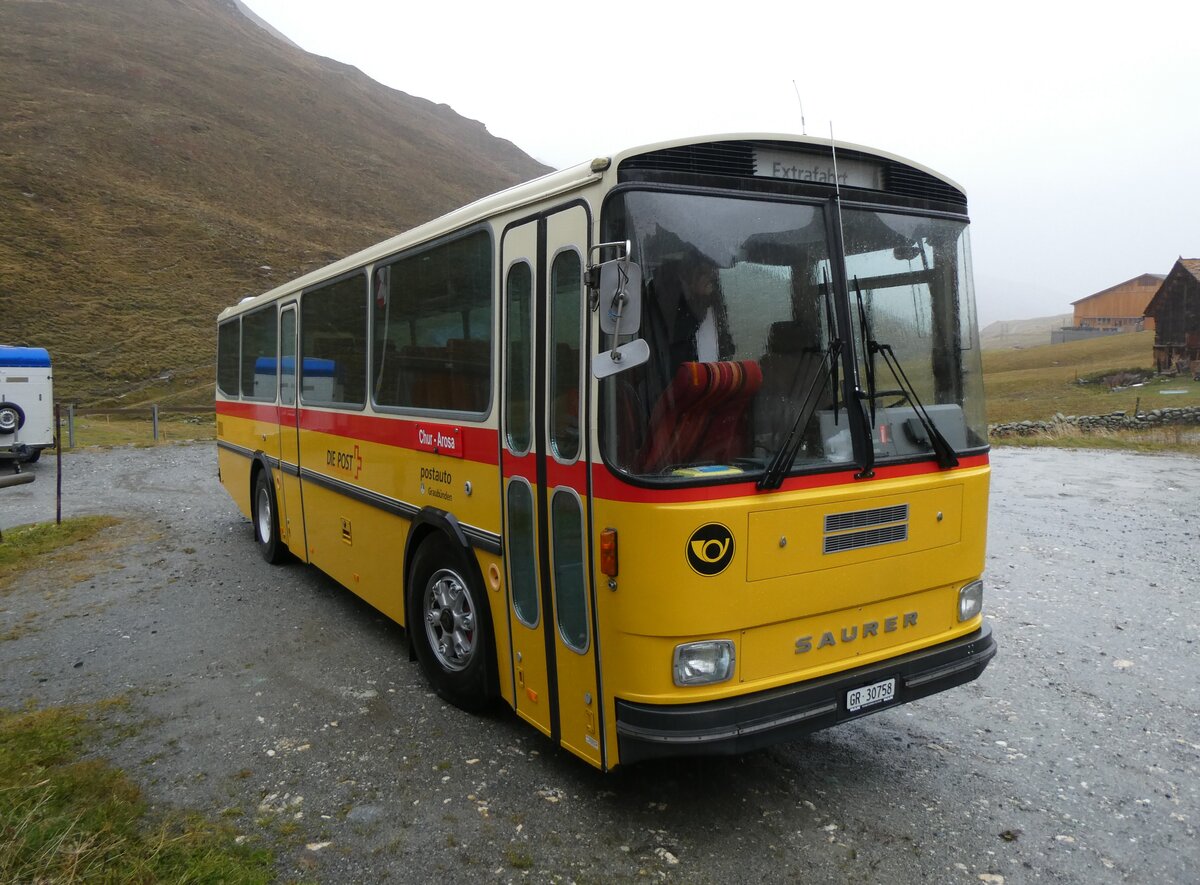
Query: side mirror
[(616, 287), (627, 356), (620, 297)]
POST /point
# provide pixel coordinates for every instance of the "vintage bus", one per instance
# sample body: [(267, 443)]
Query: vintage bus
[(679, 451)]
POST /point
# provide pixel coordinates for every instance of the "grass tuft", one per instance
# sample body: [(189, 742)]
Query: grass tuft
[(25, 546), (67, 819)]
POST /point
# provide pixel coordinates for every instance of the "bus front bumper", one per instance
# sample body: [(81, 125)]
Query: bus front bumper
[(741, 724)]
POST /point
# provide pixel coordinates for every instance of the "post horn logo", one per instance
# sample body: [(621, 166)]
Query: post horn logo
[(710, 549)]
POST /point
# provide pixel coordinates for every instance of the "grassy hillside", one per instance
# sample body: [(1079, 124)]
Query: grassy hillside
[(160, 160), (1035, 383), (1022, 333)]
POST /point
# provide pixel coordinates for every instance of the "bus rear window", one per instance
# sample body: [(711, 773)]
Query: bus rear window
[(227, 357)]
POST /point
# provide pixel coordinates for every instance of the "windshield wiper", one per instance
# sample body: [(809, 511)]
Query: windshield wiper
[(772, 477), (946, 456)]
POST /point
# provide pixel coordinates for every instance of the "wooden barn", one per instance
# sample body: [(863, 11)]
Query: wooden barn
[(1175, 310), (1119, 308)]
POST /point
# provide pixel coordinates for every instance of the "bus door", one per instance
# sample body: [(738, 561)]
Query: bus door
[(291, 508), (545, 440)]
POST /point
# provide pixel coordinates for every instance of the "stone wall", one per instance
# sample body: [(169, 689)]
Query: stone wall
[(1111, 421)]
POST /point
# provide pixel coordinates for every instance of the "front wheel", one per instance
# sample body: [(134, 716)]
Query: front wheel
[(449, 625), (266, 520)]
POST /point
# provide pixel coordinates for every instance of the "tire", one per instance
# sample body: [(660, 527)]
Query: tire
[(12, 418), (266, 519), (449, 625), (33, 457)]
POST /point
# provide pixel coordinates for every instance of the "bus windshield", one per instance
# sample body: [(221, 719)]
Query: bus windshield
[(740, 311)]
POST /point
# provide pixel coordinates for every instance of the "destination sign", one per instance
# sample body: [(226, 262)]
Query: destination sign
[(440, 439), (817, 169)]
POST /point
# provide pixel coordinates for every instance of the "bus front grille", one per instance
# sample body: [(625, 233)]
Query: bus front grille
[(866, 528)]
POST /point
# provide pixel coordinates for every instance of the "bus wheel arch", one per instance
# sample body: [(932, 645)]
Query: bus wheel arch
[(264, 514), (448, 615)]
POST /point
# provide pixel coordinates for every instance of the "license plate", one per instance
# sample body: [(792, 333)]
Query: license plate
[(870, 695)]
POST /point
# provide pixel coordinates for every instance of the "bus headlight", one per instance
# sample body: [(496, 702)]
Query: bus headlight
[(970, 601), (703, 663)]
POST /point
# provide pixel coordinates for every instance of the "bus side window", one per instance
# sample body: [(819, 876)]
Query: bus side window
[(566, 294), (259, 345), (433, 329), (228, 356), (333, 336)]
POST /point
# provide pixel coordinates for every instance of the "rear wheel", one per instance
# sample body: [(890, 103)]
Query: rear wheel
[(266, 520), (449, 624)]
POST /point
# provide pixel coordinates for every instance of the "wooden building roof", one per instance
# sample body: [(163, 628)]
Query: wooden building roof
[(1184, 266), (1146, 279)]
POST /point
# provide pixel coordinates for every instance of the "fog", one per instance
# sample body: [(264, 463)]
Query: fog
[(1074, 133)]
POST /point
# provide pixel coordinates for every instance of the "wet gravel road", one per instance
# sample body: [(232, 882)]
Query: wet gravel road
[(274, 700)]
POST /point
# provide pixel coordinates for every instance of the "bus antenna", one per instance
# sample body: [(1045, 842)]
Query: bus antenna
[(803, 126), (837, 185)]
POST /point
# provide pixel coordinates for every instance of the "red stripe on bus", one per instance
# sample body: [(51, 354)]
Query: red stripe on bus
[(480, 444), (253, 411), (609, 487), (573, 475)]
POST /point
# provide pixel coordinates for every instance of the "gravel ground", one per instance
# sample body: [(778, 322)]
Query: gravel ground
[(279, 702)]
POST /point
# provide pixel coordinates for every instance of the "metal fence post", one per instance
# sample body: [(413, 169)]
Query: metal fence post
[(57, 464), (70, 425), (154, 417)]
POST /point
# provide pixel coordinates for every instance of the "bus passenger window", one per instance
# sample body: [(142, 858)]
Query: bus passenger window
[(570, 585), (259, 348), (433, 328), (228, 354), (333, 332), (287, 358), (566, 295), (518, 419)]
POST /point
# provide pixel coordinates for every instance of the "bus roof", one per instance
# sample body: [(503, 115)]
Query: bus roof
[(24, 357), (545, 187)]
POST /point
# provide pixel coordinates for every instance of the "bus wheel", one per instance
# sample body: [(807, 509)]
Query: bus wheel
[(449, 625), (266, 522)]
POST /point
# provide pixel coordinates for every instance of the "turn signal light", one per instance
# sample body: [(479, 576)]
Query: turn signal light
[(608, 552)]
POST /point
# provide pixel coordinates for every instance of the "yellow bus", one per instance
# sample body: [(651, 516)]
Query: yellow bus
[(679, 451)]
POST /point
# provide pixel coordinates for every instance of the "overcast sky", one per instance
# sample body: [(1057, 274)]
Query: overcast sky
[(1074, 128)]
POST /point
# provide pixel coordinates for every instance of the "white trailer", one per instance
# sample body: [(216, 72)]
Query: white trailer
[(26, 403)]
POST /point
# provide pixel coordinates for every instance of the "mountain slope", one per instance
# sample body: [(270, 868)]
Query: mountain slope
[(163, 158)]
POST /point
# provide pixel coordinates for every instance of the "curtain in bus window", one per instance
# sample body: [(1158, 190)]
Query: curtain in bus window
[(433, 328)]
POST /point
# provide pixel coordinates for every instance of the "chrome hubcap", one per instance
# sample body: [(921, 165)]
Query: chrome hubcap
[(450, 620), (264, 514), (8, 419)]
